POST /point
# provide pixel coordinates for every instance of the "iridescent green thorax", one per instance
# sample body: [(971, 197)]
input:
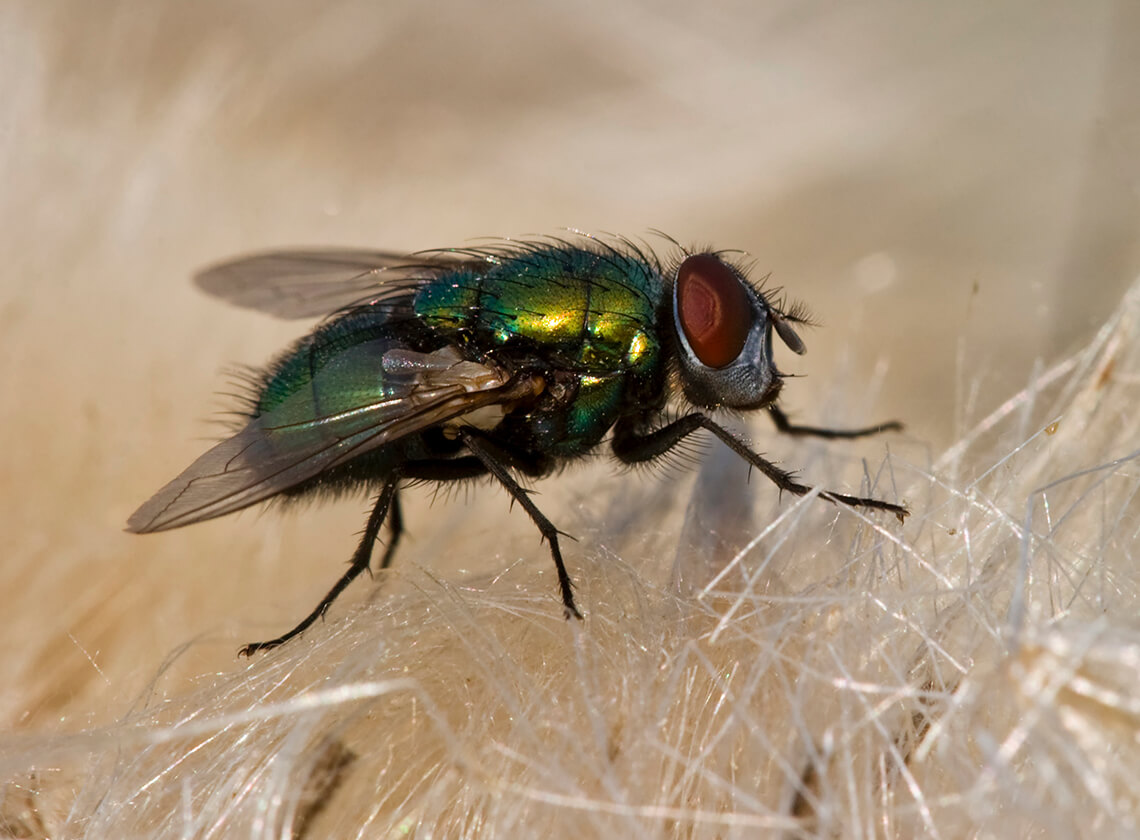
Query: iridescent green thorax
[(590, 312), (587, 314)]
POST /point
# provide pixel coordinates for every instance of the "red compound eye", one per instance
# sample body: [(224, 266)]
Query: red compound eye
[(714, 309)]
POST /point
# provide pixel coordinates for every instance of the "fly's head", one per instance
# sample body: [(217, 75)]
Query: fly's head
[(723, 334)]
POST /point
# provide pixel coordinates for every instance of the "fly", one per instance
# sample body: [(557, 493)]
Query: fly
[(496, 361)]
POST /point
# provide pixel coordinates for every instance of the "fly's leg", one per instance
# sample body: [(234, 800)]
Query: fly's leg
[(631, 447), (395, 528), (360, 562), (782, 425), (489, 455)]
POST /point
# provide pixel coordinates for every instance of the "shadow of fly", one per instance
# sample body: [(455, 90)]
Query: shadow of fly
[(500, 361)]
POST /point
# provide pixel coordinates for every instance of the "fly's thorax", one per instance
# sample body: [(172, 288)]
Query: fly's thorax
[(575, 308), (587, 322)]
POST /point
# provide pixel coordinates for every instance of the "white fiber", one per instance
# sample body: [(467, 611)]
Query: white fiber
[(951, 190)]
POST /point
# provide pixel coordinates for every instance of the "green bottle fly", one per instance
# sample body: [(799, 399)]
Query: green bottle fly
[(451, 365)]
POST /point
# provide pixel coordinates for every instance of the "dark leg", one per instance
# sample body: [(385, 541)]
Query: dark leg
[(489, 455), (631, 448), (396, 526), (359, 564), (782, 424)]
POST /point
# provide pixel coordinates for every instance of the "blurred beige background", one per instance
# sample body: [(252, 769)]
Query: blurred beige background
[(952, 188)]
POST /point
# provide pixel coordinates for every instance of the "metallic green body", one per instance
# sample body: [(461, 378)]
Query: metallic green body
[(346, 352), (453, 365), (589, 317)]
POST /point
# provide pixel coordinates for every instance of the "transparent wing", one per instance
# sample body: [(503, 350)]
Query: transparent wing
[(326, 424), (310, 283)]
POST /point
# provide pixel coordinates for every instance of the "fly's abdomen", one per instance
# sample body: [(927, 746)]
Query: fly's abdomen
[(336, 368)]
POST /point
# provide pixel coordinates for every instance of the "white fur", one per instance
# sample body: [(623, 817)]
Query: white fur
[(972, 673)]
